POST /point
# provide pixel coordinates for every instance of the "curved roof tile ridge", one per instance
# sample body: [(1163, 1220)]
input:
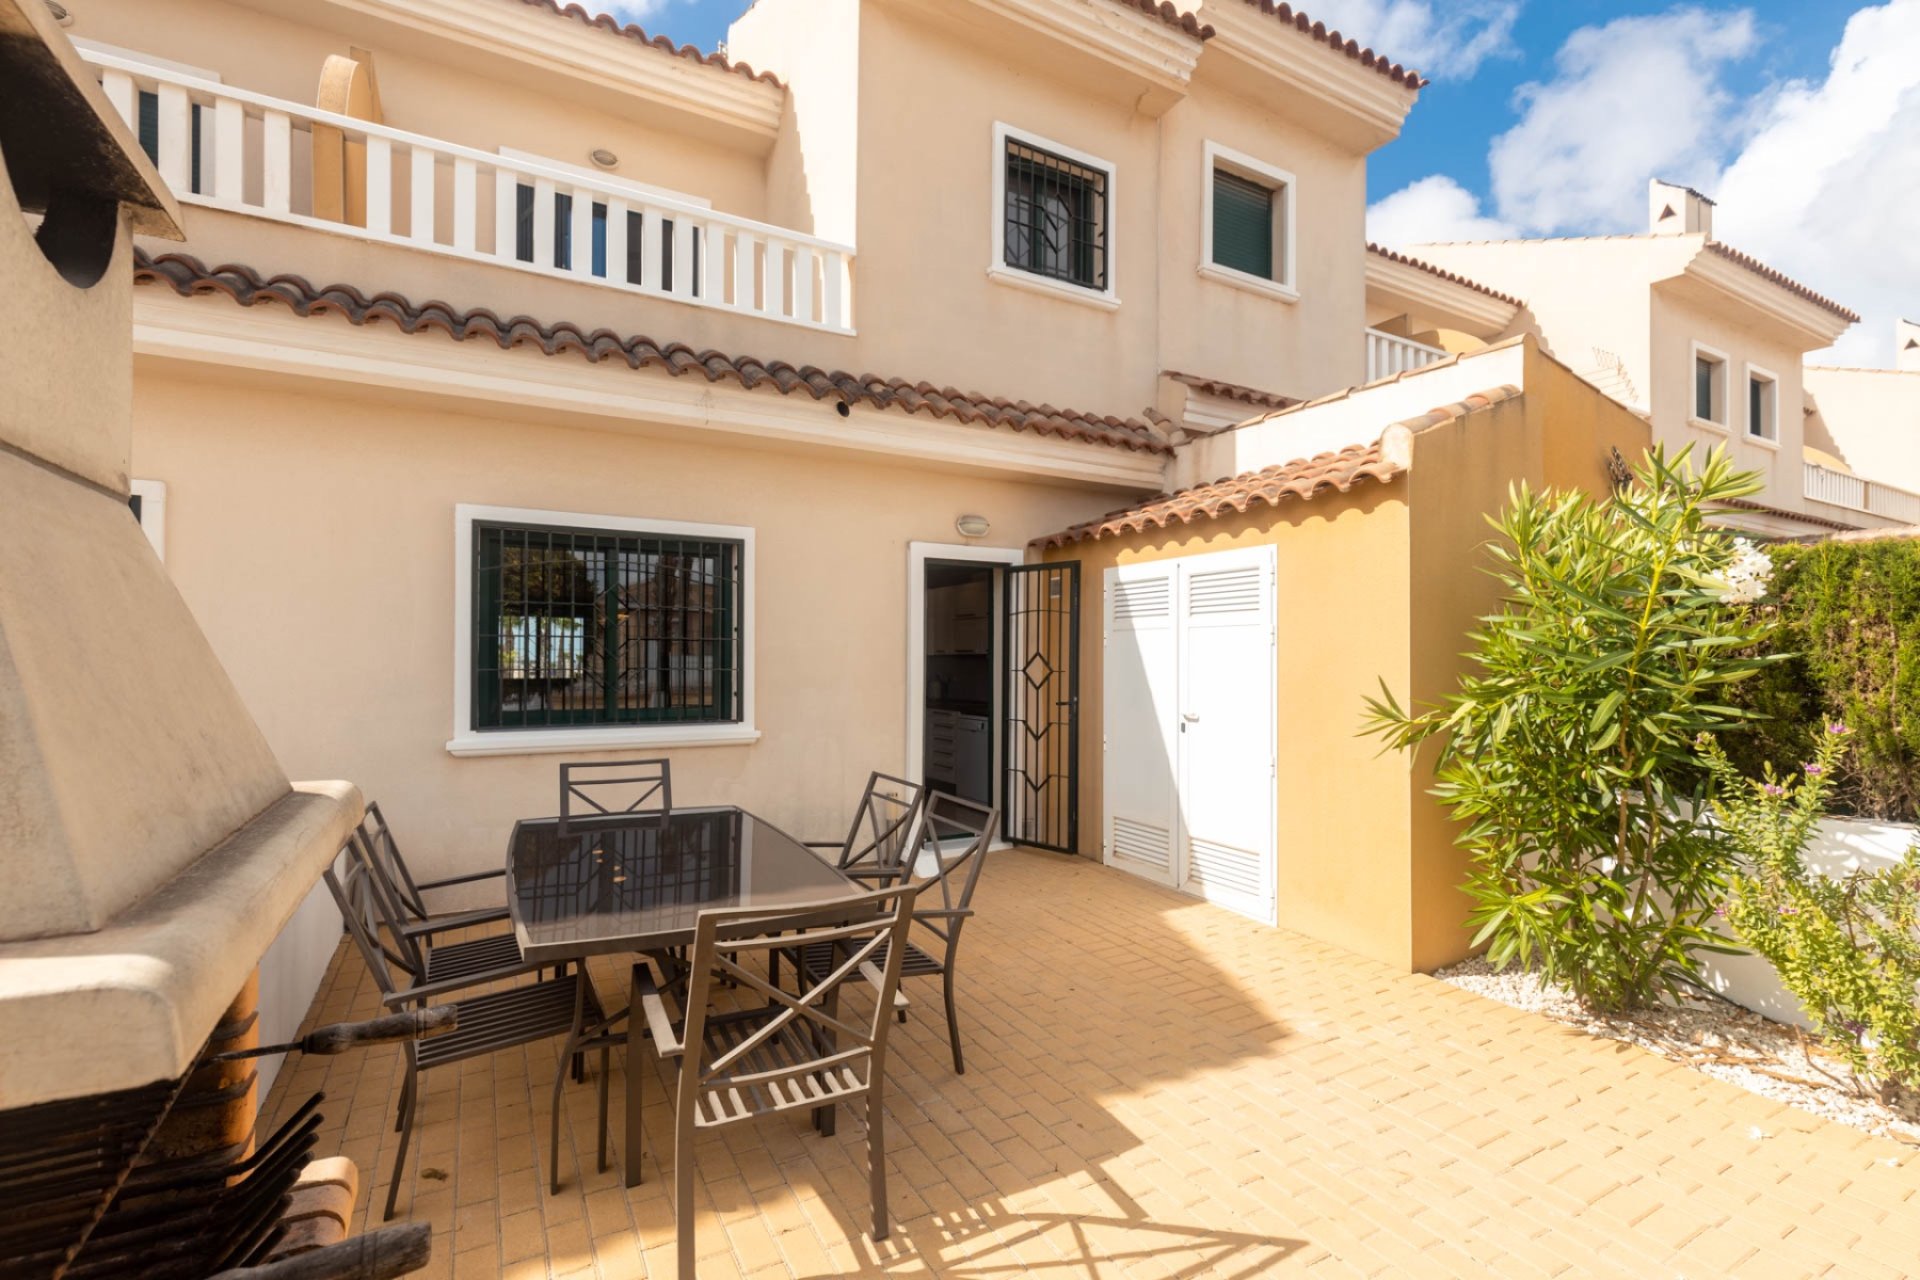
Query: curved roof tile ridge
[(1296, 18), (1394, 255), (632, 31), (1174, 17), (1780, 278), (188, 276), (1337, 470)]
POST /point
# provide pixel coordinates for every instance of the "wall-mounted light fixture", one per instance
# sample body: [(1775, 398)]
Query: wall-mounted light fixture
[(972, 526), (602, 157)]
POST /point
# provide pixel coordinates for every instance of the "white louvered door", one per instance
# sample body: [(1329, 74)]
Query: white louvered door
[(1226, 621), (1188, 722), (1140, 686)]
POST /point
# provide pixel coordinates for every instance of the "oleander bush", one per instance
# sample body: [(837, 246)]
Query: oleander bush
[(1846, 946), (1849, 612), (1570, 753)]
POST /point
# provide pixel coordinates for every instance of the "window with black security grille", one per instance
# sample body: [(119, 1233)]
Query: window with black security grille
[(576, 627), (1056, 216)]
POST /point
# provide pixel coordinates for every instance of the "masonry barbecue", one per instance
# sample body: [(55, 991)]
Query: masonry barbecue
[(150, 846)]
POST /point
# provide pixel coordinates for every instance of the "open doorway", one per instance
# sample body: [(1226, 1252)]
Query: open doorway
[(992, 687)]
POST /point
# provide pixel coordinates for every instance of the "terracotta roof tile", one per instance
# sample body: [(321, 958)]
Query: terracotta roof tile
[(1766, 272), (1394, 256), (1366, 57), (1233, 390), (1172, 16), (188, 276), (1303, 479), (607, 22)]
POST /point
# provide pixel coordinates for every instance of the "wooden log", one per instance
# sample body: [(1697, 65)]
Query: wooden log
[(378, 1255)]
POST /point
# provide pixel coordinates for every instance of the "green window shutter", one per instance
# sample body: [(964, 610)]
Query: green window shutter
[(1242, 225)]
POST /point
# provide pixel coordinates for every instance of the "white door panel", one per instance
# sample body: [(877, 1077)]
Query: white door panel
[(1138, 696), (1189, 725), (1227, 708)]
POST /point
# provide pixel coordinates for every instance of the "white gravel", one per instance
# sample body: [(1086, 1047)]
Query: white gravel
[(1713, 1036)]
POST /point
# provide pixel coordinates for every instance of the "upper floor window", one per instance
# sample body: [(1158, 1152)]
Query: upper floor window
[(1055, 208), (1247, 222), (1709, 386), (1763, 404)]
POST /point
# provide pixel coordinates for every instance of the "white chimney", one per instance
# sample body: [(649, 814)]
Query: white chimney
[(1676, 211), (1906, 346)]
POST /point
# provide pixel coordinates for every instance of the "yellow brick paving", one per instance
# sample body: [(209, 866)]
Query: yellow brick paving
[(1155, 1088)]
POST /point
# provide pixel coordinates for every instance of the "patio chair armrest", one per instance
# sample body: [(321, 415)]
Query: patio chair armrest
[(425, 885), (666, 1041), (458, 920), (953, 913), (871, 972), (430, 990)]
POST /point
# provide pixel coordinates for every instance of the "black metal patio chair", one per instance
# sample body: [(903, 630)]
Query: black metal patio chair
[(563, 1005), (797, 1052), (408, 894), (950, 850), (614, 789), (877, 840)]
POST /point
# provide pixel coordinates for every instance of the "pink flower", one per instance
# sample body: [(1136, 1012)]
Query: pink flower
[(1814, 771), (1836, 728)]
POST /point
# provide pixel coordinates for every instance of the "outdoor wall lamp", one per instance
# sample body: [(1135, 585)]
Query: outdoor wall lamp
[(972, 526), (603, 157)]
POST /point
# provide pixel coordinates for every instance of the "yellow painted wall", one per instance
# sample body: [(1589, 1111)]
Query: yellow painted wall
[(1381, 583)]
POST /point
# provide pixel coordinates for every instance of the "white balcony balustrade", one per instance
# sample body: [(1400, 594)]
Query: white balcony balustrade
[(1388, 354), (1824, 484), (226, 148)]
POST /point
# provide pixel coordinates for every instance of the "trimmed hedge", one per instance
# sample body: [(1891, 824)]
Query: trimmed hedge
[(1850, 613)]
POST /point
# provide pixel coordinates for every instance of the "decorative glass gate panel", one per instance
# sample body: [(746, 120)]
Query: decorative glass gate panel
[(1041, 797)]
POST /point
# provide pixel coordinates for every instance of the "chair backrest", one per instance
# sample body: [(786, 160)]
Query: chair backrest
[(364, 938), (614, 788), (883, 824), (952, 850), (387, 864), (830, 1052)]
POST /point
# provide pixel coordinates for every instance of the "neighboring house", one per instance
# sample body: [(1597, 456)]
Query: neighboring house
[(501, 412), (1868, 423), (1703, 338)]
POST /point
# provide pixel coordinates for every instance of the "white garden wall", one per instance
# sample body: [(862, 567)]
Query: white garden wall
[(1843, 845)]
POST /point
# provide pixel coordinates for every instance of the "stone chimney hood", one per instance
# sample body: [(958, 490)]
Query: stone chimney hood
[(151, 848)]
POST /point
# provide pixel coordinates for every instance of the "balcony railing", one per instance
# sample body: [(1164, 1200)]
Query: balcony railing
[(227, 148), (1842, 490), (1388, 355)]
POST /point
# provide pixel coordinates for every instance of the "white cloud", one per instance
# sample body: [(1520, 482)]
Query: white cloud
[(1828, 187), (1631, 99), (1434, 208), (1445, 41)]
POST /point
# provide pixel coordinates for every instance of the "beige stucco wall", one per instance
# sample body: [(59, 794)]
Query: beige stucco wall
[(1870, 418), (1683, 314), (282, 502)]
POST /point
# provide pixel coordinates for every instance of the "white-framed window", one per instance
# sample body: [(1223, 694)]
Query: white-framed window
[(1708, 403), (1247, 222), (148, 501), (577, 631), (1763, 405), (1053, 214)]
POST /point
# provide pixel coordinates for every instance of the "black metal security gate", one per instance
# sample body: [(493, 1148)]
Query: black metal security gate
[(1042, 683)]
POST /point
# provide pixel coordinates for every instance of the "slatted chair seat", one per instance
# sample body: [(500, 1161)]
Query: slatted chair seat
[(506, 1019), (816, 958), (473, 957), (786, 1048)]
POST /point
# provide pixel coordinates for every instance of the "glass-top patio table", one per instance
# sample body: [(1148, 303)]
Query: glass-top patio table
[(636, 883)]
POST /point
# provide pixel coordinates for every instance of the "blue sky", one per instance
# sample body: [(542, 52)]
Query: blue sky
[(1801, 117)]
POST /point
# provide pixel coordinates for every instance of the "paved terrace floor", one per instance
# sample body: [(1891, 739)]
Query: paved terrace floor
[(1156, 1087)]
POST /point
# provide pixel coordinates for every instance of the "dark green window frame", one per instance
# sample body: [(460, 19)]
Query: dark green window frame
[(1243, 224), (577, 627)]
